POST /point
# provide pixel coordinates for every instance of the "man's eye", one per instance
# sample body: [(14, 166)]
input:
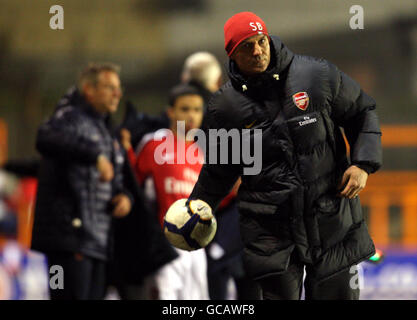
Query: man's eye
[(262, 41)]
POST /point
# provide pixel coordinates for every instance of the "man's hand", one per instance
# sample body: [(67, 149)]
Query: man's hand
[(105, 168), (125, 138), (122, 205), (354, 180)]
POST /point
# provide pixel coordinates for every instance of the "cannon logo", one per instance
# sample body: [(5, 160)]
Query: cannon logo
[(301, 100)]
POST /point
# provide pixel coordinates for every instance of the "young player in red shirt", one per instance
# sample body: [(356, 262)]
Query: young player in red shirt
[(174, 164)]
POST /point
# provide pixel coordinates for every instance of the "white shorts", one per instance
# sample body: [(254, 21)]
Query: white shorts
[(184, 278)]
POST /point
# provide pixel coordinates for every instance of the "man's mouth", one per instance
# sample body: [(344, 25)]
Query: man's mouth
[(259, 63)]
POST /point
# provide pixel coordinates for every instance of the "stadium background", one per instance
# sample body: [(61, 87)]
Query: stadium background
[(150, 40)]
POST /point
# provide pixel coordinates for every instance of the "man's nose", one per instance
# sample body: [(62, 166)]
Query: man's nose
[(257, 50), (190, 119)]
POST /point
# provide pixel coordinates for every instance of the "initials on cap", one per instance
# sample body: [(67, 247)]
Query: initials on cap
[(255, 26)]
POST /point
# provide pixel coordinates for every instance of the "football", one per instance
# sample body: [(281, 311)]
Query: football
[(190, 228)]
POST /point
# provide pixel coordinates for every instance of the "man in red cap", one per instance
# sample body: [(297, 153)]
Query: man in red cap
[(243, 30), (302, 210)]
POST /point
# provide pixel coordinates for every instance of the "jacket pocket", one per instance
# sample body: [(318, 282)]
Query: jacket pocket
[(256, 208), (264, 236), (356, 210), (334, 219)]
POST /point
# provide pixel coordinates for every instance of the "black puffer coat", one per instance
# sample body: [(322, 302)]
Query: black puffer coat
[(73, 209), (292, 203)]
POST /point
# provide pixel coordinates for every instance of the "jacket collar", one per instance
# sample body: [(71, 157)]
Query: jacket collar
[(90, 110), (93, 113), (73, 97), (281, 58)]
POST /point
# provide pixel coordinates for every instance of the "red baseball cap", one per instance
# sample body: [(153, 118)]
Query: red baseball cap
[(240, 27)]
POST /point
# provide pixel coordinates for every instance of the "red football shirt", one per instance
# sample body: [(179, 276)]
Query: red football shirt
[(174, 165)]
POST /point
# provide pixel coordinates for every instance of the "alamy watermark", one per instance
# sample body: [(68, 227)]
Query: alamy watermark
[(357, 20), (221, 144), (57, 20), (56, 280), (357, 279)]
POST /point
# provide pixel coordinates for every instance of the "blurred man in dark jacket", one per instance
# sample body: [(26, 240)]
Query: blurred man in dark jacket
[(81, 185)]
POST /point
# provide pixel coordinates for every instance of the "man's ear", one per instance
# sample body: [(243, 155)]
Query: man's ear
[(87, 89)]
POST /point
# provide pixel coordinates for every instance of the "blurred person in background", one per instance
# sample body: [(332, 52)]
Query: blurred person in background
[(23, 273), (301, 210), (81, 184), (185, 278), (202, 70)]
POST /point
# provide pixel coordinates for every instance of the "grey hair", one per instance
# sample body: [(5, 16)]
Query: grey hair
[(91, 72), (202, 67)]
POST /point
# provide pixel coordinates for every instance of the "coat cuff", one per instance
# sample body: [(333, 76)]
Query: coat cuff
[(367, 168)]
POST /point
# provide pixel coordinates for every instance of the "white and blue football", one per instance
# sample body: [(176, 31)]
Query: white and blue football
[(190, 228)]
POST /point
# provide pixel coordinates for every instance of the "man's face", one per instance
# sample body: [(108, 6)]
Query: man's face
[(106, 94), (253, 55), (188, 108)]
